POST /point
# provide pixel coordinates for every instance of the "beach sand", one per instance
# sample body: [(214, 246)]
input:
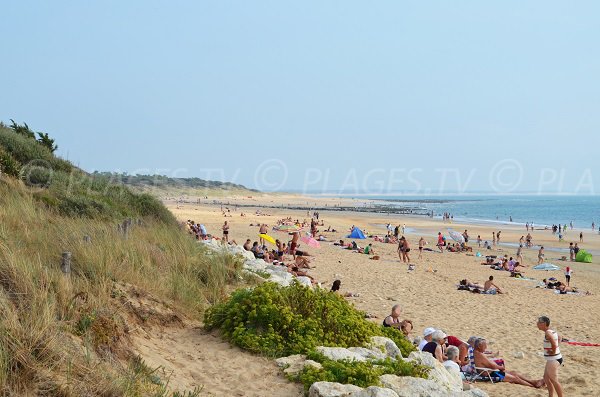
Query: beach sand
[(428, 294)]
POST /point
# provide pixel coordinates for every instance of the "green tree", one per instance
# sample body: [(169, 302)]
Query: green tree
[(22, 129), (45, 140)]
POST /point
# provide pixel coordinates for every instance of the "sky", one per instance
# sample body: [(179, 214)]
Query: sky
[(387, 97)]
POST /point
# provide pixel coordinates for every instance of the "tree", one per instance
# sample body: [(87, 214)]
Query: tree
[(45, 140), (22, 129)]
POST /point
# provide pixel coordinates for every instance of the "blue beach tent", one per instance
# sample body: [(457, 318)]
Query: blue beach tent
[(357, 233)]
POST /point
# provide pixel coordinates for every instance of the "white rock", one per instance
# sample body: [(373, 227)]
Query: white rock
[(387, 345), (294, 364), (406, 386), (369, 354), (340, 353), (331, 389), (375, 391), (438, 373)]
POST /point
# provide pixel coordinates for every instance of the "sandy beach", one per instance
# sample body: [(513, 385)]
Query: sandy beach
[(428, 294)]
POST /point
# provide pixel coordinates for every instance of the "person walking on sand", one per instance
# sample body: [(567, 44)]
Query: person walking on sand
[(226, 232), (404, 249), (421, 246), (520, 254), (581, 237), (440, 242), (553, 357), (494, 239), (541, 255), (263, 230)]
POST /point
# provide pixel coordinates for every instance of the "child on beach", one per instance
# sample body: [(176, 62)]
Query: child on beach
[(568, 273)]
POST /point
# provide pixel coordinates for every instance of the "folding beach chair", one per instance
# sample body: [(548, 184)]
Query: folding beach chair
[(473, 373)]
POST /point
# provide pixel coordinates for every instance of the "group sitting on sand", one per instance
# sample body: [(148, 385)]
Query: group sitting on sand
[(489, 287)]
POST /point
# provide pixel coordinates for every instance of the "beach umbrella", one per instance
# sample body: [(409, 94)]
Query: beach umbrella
[(456, 236), (268, 238), (311, 242)]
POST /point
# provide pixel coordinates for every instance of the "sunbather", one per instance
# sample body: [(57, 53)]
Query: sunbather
[(490, 288)]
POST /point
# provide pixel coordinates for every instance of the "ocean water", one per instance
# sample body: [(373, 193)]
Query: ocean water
[(541, 210)]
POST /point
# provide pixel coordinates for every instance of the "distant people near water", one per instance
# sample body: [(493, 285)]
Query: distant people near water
[(225, 232), (541, 255), (490, 288), (498, 236), (479, 240), (581, 237), (528, 240), (571, 252), (494, 239), (552, 355), (422, 243), (466, 236)]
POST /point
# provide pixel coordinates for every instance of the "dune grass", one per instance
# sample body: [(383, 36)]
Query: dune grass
[(46, 316)]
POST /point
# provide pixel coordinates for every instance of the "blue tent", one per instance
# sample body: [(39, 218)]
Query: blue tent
[(357, 233)]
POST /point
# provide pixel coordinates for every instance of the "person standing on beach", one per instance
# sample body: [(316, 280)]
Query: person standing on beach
[(552, 355), (421, 246), (494, 239), (226, 232), (440, 242), (541, 255), (581, 237), (479, 240), (498, 236), (568, 273), (520, 254)]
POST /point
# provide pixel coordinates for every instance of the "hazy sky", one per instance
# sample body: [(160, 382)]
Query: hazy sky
[(387, 96)]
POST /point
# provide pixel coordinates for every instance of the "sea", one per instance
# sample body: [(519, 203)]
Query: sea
[(539, 210)]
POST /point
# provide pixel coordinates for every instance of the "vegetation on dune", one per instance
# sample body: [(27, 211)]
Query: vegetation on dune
[(164, 183), (279, 321), (68, 334)]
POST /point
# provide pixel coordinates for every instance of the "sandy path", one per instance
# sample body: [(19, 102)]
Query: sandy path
[(194, 358)]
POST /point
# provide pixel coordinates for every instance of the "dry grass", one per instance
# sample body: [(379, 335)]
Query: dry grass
[(67, 334)]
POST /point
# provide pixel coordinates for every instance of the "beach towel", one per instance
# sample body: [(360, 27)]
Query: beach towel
[(546, 266)]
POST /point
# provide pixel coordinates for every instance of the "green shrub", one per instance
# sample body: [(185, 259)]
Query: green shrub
[(26, 150), (36, 176), (8, 164), (362, 374), (279, 321)]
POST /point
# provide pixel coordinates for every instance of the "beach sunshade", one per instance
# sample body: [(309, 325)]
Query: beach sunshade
[(546, 266), (456, 236), (357, 234), (311, 242), (268, 238), (583, 256)]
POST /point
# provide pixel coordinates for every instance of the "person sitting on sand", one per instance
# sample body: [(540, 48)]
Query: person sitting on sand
[(335, 287), (406, 327), (463, 349), (302, 262), (490, 288), (393, 320), (436, 346), (452, 363), (248, 245), (499, 371), (257, 251), (427, 333), (369, 250)]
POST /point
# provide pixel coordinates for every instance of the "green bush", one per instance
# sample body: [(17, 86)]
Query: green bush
[(362, 374), (279, 321), (36, 176), (8, 164), (26, 150)]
